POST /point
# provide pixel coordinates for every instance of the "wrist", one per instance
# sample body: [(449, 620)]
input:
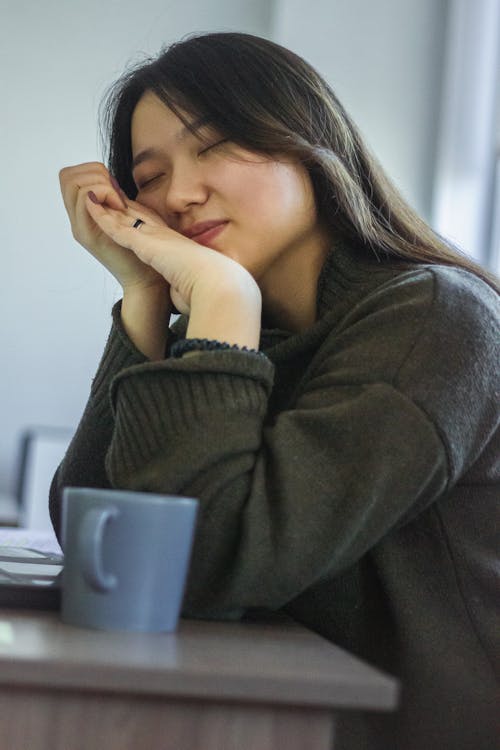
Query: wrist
[(230, 313), (145, 314)]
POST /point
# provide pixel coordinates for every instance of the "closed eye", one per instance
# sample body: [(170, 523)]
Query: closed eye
[(144, 183)]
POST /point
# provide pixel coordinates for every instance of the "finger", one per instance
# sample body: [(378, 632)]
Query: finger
[(118, 224), (73, 179), (147, 214), (86, 176), (107, 195)]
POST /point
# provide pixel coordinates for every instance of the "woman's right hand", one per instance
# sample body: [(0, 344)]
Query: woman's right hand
[(76, 182)]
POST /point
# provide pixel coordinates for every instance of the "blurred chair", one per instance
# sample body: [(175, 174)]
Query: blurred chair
[(9, 511), (40, 452)]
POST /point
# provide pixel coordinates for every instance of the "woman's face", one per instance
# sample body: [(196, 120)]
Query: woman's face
[(265, 207)]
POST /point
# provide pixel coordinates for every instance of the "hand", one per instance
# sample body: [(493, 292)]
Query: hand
[(76, 182), (194, 272)]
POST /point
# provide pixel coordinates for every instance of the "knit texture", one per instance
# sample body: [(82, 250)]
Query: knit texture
[(349, 477)]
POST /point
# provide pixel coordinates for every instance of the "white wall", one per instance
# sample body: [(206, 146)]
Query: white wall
[(58, 56), (464, 194), (383, 58)]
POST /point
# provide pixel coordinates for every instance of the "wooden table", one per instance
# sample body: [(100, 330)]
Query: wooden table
[(210, 686)]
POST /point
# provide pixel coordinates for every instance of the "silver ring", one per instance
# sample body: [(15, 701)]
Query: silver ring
[(137, 223)]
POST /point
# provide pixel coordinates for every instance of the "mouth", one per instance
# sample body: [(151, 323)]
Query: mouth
[(205, 231)]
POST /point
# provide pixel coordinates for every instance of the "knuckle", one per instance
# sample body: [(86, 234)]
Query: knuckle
[(87, 169), (63, 175), (99, 168)]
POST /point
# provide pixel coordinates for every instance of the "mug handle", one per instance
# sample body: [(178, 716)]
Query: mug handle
[(90, 539)]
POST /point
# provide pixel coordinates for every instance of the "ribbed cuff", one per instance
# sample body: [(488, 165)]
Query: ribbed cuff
[(190, 346)]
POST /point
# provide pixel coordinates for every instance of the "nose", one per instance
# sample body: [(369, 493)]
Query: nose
[(185, 188)]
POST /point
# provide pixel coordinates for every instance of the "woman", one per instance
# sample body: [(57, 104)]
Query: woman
[(329, 392)]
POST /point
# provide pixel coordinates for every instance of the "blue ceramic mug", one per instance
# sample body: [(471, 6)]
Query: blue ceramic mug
[(126, 558)]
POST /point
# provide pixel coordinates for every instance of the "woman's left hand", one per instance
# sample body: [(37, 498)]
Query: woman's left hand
[(199, 276)]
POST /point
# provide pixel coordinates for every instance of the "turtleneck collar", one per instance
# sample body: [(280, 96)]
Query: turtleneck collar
[(347, 275)]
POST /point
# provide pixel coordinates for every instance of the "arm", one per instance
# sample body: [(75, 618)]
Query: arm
[(283, 502), (83, 464), (221, 298), (145, 315), (293, 495), (146, 298), (226, 303)]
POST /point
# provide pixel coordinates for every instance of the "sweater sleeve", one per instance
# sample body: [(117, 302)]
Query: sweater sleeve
[(83, 464), (290, 500), (374, 432)]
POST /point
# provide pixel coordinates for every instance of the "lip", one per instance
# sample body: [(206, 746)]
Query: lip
[(202, 227), (207, 237)]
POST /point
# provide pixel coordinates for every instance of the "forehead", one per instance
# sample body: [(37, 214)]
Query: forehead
[(153, 122)]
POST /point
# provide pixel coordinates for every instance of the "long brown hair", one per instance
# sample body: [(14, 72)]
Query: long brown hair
[(266, 98)]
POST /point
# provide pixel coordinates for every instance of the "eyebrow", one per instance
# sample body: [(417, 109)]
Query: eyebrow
[(152, 153)]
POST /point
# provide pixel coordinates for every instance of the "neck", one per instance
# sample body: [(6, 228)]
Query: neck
[(289, 289)]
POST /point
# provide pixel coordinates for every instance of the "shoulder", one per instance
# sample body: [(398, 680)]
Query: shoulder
[(451, 371), (465, 297), (426, 305), (446, 290), (393, 315), (432, 334), (459, 322)]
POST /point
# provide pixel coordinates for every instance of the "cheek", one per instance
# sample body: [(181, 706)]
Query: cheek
[(276, 195), (155, 203), (148, 200)]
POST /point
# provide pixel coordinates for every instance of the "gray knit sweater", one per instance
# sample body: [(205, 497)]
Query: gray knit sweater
[(350, 477)]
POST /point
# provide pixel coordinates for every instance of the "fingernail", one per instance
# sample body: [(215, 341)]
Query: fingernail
[(93, 197)]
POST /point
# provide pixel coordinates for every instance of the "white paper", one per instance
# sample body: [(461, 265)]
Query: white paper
[(45, 541)]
